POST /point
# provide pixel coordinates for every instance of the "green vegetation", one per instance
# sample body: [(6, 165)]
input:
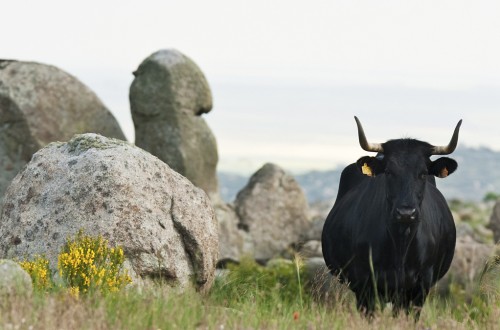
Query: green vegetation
[(40, 273), (82, 143), (282, 295), (491, 197), (86, 264), (250, 296)]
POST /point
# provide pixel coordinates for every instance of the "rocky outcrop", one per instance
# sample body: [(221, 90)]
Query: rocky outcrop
[(323, 286), (313, 233), (234, 242), (14, 281), (494, 223), (166, 226), (167, 98), (468, 262), (273, 209), (40, 104)]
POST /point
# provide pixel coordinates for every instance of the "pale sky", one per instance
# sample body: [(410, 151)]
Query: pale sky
[(287, 77)]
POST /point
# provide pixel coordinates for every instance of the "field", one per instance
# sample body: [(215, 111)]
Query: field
[(249, 297), (283, 295)]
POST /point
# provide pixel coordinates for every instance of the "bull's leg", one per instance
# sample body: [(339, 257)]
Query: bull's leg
[(366, 302), (398, 303), (416, 299)]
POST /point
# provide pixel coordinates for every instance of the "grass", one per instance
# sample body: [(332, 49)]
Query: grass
[(282, 295), (160, 308), (248, 297)]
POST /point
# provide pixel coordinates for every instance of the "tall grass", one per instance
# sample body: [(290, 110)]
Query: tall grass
[(167, 310), (250, 296), (161, 308)]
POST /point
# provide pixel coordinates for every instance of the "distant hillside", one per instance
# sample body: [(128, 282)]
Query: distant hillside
[(478, 173)]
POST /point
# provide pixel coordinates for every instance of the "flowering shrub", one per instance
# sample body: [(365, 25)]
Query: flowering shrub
[(87, 264), (40, 273)]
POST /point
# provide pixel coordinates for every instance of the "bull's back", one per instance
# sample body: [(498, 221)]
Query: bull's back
[(349, 179)]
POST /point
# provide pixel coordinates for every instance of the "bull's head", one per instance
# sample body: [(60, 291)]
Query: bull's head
[(407, 168)]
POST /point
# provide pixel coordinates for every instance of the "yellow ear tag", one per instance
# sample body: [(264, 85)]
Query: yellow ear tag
[(444, 173), (366, 170)]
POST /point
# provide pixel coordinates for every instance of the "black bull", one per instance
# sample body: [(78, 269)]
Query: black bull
[(390, 234)]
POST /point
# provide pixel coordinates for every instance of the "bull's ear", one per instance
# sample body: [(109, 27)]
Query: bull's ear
[(370, 166), (442, 167)]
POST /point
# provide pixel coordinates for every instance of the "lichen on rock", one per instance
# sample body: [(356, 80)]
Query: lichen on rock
[(82, 143)]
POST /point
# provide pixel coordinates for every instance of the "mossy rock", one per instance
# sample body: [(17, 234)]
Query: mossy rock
[(83, 142)]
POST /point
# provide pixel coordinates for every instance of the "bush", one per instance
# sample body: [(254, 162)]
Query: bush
[(249, 280), (84, 264), (491, 197), (40, 273), (88, 264)]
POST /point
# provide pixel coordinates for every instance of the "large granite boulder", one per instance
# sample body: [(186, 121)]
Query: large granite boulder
[(14, 281), (494, 223), (40, 104), (167, 98), (274, 210), (166, 226)]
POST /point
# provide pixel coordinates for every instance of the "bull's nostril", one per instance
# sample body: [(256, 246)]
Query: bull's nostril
[(406, 213)]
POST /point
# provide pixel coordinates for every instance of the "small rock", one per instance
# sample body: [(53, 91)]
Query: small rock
[(311, 249), (234, 240), (14, 281), (468, 262), (322, 285), (274, 211)]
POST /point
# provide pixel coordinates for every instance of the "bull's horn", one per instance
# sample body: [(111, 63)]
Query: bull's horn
[(363, 142), (446, 150)]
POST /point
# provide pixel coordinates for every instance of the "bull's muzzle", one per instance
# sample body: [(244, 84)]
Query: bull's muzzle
[(406, 214)]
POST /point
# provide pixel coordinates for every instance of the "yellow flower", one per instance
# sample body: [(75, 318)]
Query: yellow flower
[(39, 271), (74, 291), (87, 262)]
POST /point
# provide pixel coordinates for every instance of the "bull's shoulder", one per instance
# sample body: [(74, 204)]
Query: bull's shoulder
[(359, 203)]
